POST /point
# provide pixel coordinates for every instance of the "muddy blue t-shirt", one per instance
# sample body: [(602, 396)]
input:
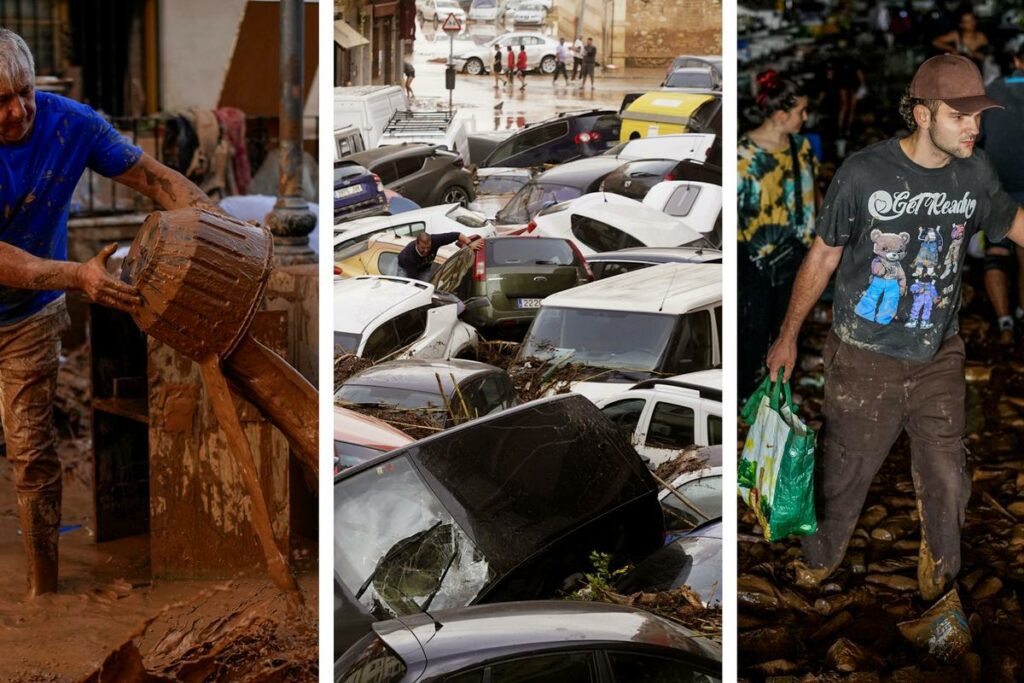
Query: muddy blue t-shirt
[(905, 230), (37, 179)]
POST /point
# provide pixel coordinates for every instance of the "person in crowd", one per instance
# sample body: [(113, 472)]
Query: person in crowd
[(496, 67), (561, 54), (965, 40), (776, 206), (521, 65), (577, 57), (589, 62)]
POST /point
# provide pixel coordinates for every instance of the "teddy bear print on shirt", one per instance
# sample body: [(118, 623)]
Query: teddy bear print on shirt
[(888, 280)]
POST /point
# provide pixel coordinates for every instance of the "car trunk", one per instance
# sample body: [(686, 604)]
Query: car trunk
[(521, 287)]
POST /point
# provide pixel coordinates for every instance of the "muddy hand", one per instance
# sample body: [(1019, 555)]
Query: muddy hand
[(476, 244), (103, 288), (782, 354)]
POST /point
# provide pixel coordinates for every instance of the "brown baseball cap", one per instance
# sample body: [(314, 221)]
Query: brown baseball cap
[(953, 79)]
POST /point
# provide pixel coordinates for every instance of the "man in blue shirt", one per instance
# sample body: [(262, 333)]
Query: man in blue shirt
[(46, 143)]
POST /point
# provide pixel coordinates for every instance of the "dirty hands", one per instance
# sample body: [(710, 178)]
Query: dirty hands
[(782, 354), (93, 278), (475, 244)]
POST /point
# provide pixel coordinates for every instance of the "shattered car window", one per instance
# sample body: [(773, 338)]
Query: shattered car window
[(397, 549), (596, 338)]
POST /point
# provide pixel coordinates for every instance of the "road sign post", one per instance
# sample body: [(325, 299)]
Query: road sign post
[(451, 26)]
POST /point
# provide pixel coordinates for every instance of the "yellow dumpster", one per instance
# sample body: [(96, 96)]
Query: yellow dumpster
[(662, 113)]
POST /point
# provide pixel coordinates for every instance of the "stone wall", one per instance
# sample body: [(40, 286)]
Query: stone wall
[(658, 30)]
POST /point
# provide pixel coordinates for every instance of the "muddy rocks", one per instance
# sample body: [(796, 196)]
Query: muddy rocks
[(872, 516), (756, 594), (978, 373), (987, 588), (894, 528), (847, 656), (894, 582)]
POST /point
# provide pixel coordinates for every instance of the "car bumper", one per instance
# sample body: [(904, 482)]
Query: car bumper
[(372, 207)]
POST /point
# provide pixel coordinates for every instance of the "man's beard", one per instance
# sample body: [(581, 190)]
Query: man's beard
[(952, 150)]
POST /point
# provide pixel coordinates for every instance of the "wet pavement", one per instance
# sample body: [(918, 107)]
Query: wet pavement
[(864, 623), (476, 98)]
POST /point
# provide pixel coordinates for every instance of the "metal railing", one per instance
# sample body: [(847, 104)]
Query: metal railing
[(96, 195)]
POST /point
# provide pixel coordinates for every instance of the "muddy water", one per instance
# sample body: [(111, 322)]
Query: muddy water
[(864, 622)]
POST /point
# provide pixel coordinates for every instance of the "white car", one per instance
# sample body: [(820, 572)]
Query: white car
[(540, 53), (386, 318), (692, 80), (699, 205), (530, 13), (678, 147), (672, 311), (486, 10), (664, 416), (432, 220), (603, 221), (438, 10)]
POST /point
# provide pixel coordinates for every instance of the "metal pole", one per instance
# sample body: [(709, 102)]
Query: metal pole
[(451, 61), (291, 221)]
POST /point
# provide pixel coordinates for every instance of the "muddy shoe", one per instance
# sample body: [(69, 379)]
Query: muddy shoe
[(809, 577), (1005, 336)]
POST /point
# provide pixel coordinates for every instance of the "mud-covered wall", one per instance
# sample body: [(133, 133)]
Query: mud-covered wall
[(197, 38), (658, 30)]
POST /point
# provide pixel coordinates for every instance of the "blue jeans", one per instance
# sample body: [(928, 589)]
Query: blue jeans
[(880, 301)]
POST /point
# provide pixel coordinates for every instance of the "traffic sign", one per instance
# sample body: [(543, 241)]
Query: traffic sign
[(451, 24)]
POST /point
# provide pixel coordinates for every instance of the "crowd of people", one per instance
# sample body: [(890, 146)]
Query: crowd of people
[(514, 65)]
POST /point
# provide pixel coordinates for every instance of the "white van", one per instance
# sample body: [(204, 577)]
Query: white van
[(442, 128), (659, 321), (368, 109)]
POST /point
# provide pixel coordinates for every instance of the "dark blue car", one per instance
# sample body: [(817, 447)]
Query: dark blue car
[(357, 192), (568, 136)]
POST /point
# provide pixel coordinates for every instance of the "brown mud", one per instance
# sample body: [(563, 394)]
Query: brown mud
[(868, 622)]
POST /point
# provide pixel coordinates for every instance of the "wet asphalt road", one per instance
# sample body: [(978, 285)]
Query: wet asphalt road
[(475, 97)]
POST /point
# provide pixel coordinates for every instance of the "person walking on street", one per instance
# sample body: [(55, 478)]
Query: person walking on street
[(521, 64), (410, 74), (589, 61), (510, 62), (416, 260), (46, 143), (776, 202), (577, 57), (497, 67), (561, 54), (894, 360), (1002, 138)]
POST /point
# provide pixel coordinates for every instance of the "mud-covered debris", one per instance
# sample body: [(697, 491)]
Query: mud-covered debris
[(418, 424), (685, 461), (346, 365), (942, 630), (681, 605)]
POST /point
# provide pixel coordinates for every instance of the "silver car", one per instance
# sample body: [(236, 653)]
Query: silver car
[(540, 53)]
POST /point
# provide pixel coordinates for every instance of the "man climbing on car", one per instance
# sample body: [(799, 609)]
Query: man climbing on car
[(416, 260)]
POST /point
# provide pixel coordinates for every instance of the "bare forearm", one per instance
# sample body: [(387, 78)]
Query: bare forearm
[(21, 270), (811, 281), (165, 186)]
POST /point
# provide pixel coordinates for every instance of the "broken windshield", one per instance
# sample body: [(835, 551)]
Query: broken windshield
[(396, 547)]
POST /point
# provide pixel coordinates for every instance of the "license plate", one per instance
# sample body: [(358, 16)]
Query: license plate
[(528, 303), (347, 191)]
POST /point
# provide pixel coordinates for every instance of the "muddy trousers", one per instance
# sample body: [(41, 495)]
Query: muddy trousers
[(29, 351), (869, 399)]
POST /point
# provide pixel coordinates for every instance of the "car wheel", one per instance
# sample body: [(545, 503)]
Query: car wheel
[(547, 65), (455, 194), (474, 67)]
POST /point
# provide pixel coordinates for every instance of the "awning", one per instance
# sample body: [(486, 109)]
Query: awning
[(346, 36)]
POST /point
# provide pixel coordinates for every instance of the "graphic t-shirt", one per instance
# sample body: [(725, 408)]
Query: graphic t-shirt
[(766, 201), (37, 179), (905, 230)]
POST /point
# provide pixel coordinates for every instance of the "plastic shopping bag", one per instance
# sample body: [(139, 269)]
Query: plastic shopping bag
[(776, 470)]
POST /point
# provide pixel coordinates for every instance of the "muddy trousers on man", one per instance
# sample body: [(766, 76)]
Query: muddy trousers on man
[(29, 352), (869, 399)]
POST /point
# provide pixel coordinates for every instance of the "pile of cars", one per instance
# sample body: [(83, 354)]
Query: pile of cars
[(590, 248)]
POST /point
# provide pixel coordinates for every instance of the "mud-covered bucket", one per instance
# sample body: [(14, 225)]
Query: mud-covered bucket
[(201, 277)]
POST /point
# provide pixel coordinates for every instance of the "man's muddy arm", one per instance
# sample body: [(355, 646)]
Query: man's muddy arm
[(22, 270), (812, 279), (165, 186)]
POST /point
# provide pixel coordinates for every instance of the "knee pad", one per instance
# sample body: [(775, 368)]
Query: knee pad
[(998, 261)]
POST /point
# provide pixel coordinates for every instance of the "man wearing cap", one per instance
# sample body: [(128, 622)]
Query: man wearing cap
[(894, 229)]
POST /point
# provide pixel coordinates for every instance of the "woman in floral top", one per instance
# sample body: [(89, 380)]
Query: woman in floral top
[(776, 205)]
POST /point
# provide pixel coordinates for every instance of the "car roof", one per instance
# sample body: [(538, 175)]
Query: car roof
[(671, 288), (360, 301), (589, 169), (645, 222), (708, 383), (416, 374), (490, 630), (386, 152), (350, 228), (651, 254)]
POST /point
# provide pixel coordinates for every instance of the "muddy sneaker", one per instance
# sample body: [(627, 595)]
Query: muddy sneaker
[(809, 577), (1006, 336), (930, 581)]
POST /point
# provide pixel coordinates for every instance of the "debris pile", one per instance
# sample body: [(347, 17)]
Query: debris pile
[(868, 622)]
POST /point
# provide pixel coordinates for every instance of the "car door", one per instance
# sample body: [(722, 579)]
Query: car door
[(668, 428), (627, 415), (411, 182), (536, 49), (646, 667)]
